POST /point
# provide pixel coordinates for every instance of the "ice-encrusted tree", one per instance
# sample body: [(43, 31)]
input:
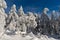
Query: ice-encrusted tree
[(12, 20), (12, 13), (54, 22), (21, 23), (26, 21), (20, 11), (3, 15), (45, 21), (31, 22), (53, 15), (38, 29)]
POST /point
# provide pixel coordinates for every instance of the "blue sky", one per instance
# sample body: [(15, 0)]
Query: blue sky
[(34, 5)]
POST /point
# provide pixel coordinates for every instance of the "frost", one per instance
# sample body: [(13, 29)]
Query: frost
[(45, 10), (12, 20), (2, 16), (3, 4), (21, 12), (18, 25)]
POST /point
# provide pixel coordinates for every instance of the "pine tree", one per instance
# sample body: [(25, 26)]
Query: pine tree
[(20, 11), (53, 22), (12, 20), (21, 23), (45, 21), (3, 16), (32, 24)]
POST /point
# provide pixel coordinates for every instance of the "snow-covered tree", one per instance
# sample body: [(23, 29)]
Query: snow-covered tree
[(3, 16), (12, 19), (38, 28), (31, 21), (12, 14), (45, 10), (20, 11), (21, 23), (45, 21), (53, 15), (27, 20), (53, 22)]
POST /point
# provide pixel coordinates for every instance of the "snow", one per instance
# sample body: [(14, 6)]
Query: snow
[(27, 37), (18, 24), (45, 10)]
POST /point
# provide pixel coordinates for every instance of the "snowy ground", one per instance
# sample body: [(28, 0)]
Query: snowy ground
[(26, 37)]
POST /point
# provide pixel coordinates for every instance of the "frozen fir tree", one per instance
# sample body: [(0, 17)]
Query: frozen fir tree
[(21, 23), (12, 20), (3, 16), (45, 21), (32, 24), (27, 20), (53, 22), (20, 11), (18, 24)]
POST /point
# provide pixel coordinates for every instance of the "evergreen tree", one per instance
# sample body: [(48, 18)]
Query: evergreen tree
[(3, 15), (11, 20)]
